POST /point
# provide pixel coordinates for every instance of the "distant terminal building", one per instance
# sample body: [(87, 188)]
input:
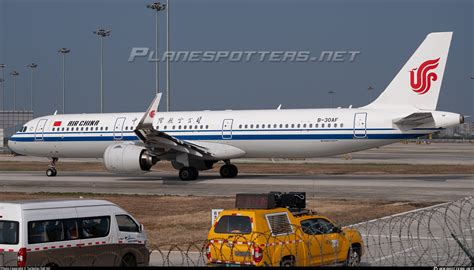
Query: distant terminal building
[(12, 121), (462, 131)]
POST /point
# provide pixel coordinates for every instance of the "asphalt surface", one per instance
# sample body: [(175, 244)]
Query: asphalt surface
[(374, 186)]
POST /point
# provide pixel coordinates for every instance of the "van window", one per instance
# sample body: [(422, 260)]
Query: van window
[(233, 224), (8, 232), (317, 226), (67, 229), (127, 224), (94, 227)]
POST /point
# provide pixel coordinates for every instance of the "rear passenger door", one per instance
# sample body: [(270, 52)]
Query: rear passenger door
[(97, 248)]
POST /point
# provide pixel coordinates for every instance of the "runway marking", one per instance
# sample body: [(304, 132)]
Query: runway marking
[(394, 254), (404, 213), (414, 238)]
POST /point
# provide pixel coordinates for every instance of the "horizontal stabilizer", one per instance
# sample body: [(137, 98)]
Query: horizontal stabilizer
[(415, 119)]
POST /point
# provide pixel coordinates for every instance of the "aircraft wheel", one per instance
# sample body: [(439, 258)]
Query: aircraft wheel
[(188, 173), (51, 172), (229, 171)]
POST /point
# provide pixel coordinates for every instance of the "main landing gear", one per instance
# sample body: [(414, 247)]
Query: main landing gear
[(188, 173), (191, 173), (51, 171), (228, 170)]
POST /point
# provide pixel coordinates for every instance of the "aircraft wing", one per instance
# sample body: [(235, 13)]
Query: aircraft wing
[(415, 119), (159, 142)]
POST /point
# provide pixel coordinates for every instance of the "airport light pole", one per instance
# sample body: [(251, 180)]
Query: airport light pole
[(14, 74), (64, 51), (32, 66), (331, 93), (168, 56), (102, 33), (157, 7), (370, 89), (3, 66)]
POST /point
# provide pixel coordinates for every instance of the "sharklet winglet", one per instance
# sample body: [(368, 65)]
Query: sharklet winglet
[(147, 119)]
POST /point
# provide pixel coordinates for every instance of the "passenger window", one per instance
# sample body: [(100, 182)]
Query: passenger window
[(101, 128), (310, 125), (317, 226), (341, 125), (322, 125), (179, 127), (62, 129), (304, 125), (207, 126), (292, 125), (298, 126), (251, 126), (94, 227), (184, 127), (245, 126), (286, 126), (53, 129), (256, 126), (335, 125), (165, 127), (127, 224), (106, 128), (174, 127), (9, 232), (281, 125), (67, 229), (201, 126), (316, 125), (233, 224), (329, 125), (196, 127)]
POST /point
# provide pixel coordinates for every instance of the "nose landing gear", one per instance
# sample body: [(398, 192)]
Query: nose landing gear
[(51, 171)]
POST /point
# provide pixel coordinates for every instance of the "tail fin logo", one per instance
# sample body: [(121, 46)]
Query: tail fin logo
[(421, 82)]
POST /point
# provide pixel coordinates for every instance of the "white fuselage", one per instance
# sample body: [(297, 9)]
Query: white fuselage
[(260, 133)]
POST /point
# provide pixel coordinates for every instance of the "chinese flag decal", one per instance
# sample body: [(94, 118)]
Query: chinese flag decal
[(57, 123)]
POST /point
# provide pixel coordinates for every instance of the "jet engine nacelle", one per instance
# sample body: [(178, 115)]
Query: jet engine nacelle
[(127, 158)]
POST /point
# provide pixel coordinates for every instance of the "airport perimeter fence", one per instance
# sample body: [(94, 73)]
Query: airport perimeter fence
[(441, 235)]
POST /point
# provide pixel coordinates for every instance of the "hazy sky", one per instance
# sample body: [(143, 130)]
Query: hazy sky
[(385, 32)]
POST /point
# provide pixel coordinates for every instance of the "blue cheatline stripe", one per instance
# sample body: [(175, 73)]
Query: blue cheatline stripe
[(219, 137), (219, 130)]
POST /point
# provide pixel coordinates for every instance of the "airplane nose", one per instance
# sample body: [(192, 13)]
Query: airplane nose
[(12, 145)]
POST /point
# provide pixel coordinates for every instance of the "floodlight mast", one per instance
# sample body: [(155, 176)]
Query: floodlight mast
[(32, 66), (102, 33), (64, 51), (157, 7)]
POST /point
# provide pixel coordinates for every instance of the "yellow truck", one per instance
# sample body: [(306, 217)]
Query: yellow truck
[(269, 230)]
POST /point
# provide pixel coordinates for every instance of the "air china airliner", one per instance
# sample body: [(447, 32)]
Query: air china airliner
[(195, 140)]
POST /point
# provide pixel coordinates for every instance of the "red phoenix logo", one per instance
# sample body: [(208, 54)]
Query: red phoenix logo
[(152, 113), (422, 83)]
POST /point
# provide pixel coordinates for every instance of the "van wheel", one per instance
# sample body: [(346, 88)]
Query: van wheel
[(287, 262), (353, 256), (128, 261)]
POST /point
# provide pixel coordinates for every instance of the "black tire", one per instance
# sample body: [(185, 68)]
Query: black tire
[(234, 169), (228, 171), (51, 172), (353, 257), (188, 173), (128, 261), (287, 262)]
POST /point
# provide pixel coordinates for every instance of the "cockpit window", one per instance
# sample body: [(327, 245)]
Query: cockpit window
[(23, 129)]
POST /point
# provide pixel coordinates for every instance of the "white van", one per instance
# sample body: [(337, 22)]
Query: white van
[(70, 233)]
